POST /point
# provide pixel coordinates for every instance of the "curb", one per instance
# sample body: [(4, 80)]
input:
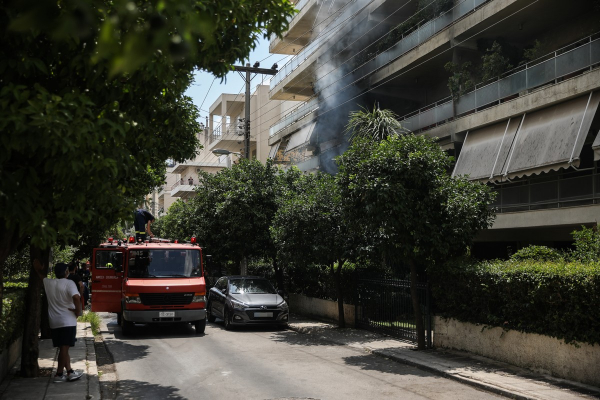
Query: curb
[(394, 356), (92, 366), (467, 381)]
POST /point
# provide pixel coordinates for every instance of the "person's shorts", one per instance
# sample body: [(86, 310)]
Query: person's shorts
[(140, 236), (64, 336)]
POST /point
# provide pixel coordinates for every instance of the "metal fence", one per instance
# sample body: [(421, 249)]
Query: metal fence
[(554, 190), (385, 306)]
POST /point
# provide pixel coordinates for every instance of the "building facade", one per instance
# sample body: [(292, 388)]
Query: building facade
[(509, 87)]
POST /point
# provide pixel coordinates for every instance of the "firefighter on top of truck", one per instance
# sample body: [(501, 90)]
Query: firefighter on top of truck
[(142, 222)]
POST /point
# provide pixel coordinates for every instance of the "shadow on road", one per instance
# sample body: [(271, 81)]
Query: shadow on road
[(131, 389)]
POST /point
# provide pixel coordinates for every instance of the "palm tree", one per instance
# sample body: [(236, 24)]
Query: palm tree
[(376, 125)]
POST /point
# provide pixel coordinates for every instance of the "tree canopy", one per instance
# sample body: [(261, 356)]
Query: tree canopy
[(92, 102), (309, 228), (400, 192)]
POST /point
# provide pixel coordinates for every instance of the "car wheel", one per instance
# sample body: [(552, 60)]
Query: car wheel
[(227, 319), (200, 326), (126, 326), (209, 314)]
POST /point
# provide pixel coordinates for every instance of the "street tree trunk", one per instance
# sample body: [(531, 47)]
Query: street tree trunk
[(9, 240), (337, 278), (416, 306), (33, 308)]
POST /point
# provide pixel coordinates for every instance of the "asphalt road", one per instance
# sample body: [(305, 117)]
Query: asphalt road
[(172, 362)]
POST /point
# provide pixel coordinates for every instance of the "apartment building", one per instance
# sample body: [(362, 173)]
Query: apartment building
[(509, 87), (224, 132)]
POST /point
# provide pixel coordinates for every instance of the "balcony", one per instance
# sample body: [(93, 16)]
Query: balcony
[(555, 190), (294, 116), (564, 63), (181, 168), (311, 13)]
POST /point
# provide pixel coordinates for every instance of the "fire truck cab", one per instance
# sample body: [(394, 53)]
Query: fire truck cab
[(149, 282)]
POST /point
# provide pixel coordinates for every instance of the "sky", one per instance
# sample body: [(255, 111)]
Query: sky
[(204, 95)]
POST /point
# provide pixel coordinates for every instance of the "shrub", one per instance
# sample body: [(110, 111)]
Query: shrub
[(11, 323), (559, 299), (587, 245), (540, 253)]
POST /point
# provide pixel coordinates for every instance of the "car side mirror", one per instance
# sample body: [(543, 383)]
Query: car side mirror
[(280, 292), (224, 291)]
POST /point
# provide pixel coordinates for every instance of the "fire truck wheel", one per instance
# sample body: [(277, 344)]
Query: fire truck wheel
[(126, 327), (200, 326), (119, 317), (227, 319), (209, 315)]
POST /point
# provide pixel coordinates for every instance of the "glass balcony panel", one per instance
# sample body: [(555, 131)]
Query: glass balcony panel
[(573, 60), (487, 94), (382, 59), (465, 103), (442, 21), (426, 31), (410, 41), (576, 188), (595, 50), (444, 111), (428, 117), (512, 84), (462, 9), (544, 192), (540, 74), (515, 195), (477, 3), (411, 123)]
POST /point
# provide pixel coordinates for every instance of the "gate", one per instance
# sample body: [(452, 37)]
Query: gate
[(385, 306)]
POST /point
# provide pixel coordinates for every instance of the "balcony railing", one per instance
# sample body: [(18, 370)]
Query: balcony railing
[(230, 129), (560, 64), (294, 116), (557, 190)]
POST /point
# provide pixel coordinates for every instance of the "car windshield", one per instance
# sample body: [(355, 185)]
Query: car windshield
[(164, 263), (258, 286)]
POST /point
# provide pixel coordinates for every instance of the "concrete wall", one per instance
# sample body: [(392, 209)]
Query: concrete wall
[(542, 354), (325, 310), (9, 357)]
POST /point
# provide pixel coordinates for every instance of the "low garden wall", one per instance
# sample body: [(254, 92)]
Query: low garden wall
[(542, 354), (325, 310), (9, 357)]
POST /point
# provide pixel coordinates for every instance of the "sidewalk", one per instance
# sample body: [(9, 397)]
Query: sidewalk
[(483, 373), (83, 358)]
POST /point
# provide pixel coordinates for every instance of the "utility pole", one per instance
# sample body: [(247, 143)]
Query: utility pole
[(248, 69)]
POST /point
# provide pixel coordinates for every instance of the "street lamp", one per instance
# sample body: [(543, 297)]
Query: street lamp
[(225, 152)]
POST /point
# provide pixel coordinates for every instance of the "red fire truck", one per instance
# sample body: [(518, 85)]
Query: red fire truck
[(155, 281)]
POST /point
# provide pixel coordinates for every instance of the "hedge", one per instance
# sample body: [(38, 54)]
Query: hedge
[(559, 299), (11, 323)]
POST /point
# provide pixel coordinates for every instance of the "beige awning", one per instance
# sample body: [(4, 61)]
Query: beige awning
[(274, 149), (551, 138), (484, 150), (541, 141), (301, 137)]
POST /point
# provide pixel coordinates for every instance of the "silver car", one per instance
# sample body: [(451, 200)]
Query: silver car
[(246, 300)]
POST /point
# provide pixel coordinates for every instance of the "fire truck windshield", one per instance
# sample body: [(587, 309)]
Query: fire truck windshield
[(164, 263)]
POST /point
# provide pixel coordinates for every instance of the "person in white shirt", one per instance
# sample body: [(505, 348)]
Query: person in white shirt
[(64, 306)]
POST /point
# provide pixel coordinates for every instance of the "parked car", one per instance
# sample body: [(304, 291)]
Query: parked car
[(246, 300)]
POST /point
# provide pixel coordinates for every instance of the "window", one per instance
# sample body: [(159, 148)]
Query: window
[(164, 263), (109, 259), (260, 286)]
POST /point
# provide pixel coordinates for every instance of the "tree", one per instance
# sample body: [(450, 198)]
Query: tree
[(309, 228), (233, 211), (400, 191), (92, 103), (376, 125)]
